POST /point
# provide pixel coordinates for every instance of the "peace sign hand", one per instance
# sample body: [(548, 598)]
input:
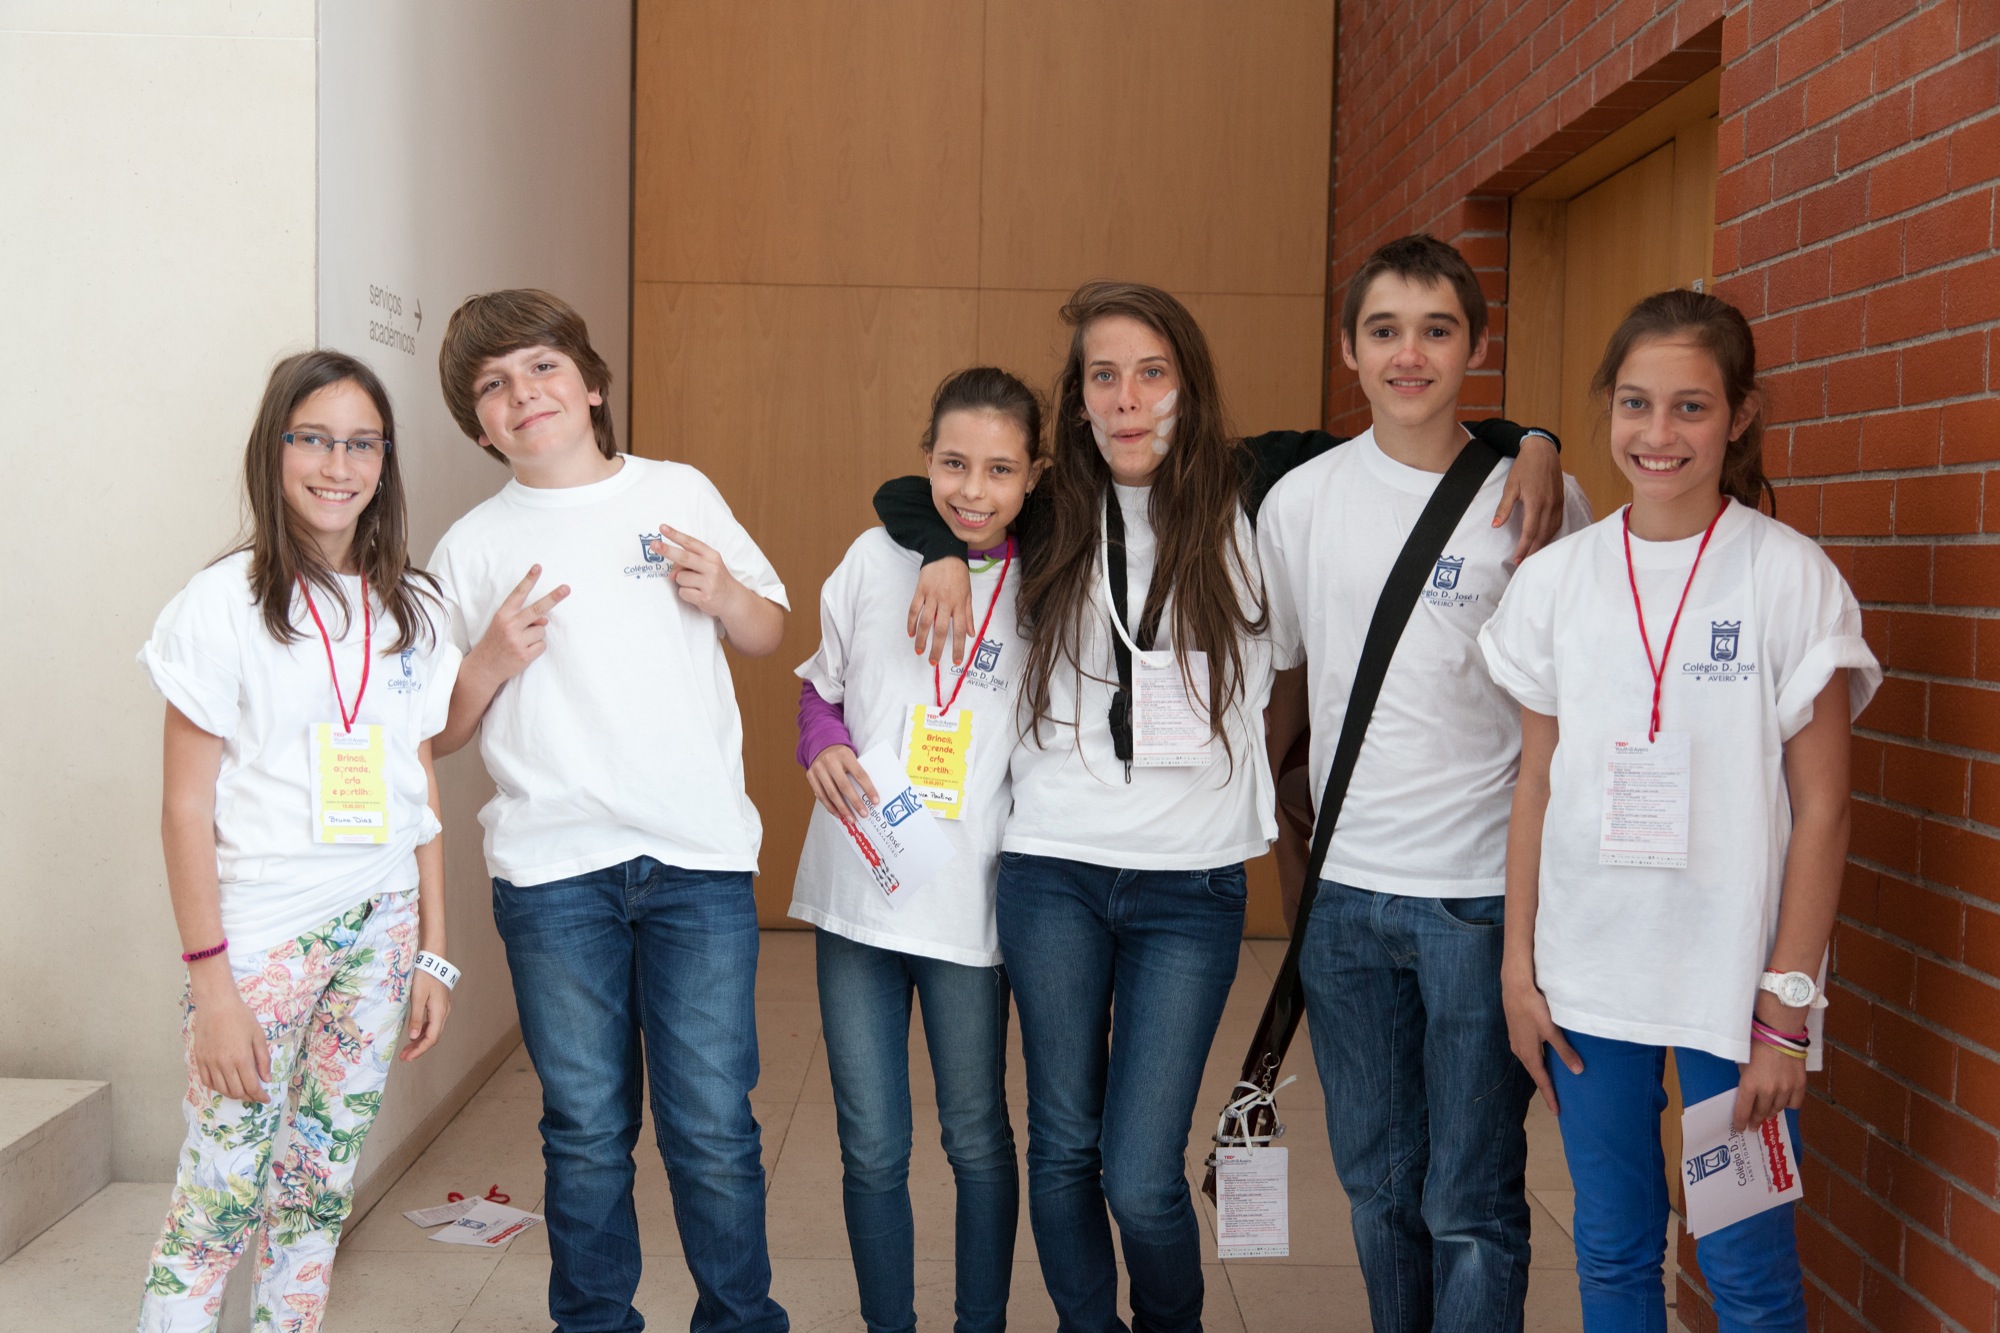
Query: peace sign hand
[(518, 633), (703, 580)]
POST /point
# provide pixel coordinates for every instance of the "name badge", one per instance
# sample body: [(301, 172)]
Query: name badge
[(1646, 789), (1252, 1210), (1167, 730), (937, 753), (350, 784)]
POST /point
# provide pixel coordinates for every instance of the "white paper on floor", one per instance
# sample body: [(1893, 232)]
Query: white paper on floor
[(443, 1213), (489, 1224)]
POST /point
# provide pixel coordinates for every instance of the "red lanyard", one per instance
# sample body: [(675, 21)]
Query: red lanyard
[(367, 652), (937, 678), (1666, 649)]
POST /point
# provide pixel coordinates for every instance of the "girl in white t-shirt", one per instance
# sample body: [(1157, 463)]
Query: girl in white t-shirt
[(304, 675), (1687, 670), (865, 692)]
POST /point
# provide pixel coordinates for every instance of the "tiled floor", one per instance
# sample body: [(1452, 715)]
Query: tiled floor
[(81, 1276)]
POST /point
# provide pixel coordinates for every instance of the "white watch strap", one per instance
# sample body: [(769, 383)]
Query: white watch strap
[(439, 968)]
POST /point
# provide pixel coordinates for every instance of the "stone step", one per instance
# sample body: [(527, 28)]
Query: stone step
[(55, 1152)]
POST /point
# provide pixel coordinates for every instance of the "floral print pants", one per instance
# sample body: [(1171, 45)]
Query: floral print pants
[(331, 1002)]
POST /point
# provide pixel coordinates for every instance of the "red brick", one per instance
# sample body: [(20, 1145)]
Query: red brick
[(1798, 281), (1975, 1229), (1808, 46), (1869, 259), (1770, 233), (1764, 22), (1774, 120), (1837, 87), (1885, 836), (1802, 163), (1864, 1221), (1831, 329), (1971, 431), (1865, 17), (1934, 506), (1921, 44), (1887, 1304), (1972, 293), (1986, 792), (1959, 1144), (1990, 521), (1865, 759), (1948, 368), (1935, 645), (1874, 129), (1880, 967), (1891, 574), (1865, 384), (1949, 231), (1728, 246), (1958, 91), (1832, 208), (1979, 1093), (1913, 1053), (1745, 187), (1975, 150), (1977, 21), (1825, 1255), (1850, 1020), (1908, 309), (1900, 439), (1926, 778), (1908, 1185), (1958, 1002), (1982, 944), (1867, 1093), (1908, 180), (1966, 716), (1926, 918), (1946, 1282), (1856, 508), (1798, 506), (1795, 395), (1826, 1130), (1987, 667)]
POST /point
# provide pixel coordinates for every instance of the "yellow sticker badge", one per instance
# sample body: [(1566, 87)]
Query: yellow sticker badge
[(937, 750), (350, 784)]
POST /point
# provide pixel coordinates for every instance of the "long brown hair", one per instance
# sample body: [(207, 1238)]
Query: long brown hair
[(1718, 328), (281, 554), (1193, 508)]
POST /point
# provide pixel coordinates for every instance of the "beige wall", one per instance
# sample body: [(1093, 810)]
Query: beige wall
[(156, 254), (188, 192), (835, 205)]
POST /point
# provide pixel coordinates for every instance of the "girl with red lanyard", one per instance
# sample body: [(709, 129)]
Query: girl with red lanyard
[(1693, 648), (952, 729), (304, 674)]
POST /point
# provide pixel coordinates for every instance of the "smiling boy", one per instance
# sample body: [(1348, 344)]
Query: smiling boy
[(1424, 1100), (620, 840)]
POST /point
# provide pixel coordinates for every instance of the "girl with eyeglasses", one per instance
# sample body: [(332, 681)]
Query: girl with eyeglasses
[(304, 674)]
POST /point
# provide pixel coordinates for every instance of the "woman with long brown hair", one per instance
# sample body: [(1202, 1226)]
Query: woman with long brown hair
[(304, 673)]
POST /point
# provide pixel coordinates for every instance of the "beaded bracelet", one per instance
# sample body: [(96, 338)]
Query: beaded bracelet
[(200, 954)]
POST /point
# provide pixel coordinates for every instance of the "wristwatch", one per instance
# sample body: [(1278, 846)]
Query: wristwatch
[(1795, 989)]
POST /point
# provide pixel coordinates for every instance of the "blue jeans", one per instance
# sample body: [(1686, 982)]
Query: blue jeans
[(1119, 977), (864, 1007), (1425, 1103), (644, 953), (1610, 1123)]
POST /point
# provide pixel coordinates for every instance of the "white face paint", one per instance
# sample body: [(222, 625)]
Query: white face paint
[(1164, 418)]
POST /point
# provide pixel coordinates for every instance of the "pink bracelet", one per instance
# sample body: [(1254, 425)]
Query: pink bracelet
[(1797, 1038), (200, 954)]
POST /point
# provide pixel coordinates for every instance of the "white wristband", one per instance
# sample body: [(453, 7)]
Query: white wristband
[(439, 968)]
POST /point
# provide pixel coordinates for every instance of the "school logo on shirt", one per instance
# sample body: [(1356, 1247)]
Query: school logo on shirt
[(1725, 655), (655, 565), (983, 671), (987, 657), (1444, 590), (407, 682)]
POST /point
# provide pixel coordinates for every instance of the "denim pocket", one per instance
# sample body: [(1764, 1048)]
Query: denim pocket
[(1229, 884), (1488, 913)]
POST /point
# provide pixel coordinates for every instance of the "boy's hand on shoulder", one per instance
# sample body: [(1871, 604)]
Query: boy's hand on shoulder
[(518, 633), (1535, 486)]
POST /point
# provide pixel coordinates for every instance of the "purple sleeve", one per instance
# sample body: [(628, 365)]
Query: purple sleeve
[(820, 724)]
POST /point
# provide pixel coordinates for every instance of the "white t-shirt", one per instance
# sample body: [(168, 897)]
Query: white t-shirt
[(1071, 798), (1426, 811), (864, 664), (1660, 956), (212, 658), (623, 738)]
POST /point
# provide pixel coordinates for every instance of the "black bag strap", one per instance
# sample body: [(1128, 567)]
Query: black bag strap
[(1447, 505), (1121, 656)]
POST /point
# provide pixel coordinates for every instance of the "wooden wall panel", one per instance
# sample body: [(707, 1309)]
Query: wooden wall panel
[(807, 141), (1267, 349), (796, 402), (1184, 143)]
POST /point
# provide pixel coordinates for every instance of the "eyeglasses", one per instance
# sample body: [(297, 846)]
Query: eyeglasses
[(358, 446)]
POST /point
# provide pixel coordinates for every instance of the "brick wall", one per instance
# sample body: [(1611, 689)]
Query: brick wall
[(1856, 211)]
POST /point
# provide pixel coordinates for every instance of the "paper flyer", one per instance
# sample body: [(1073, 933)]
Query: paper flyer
[(1732, 1176), (1252, 1203), (485, 1223), (899, 840)]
